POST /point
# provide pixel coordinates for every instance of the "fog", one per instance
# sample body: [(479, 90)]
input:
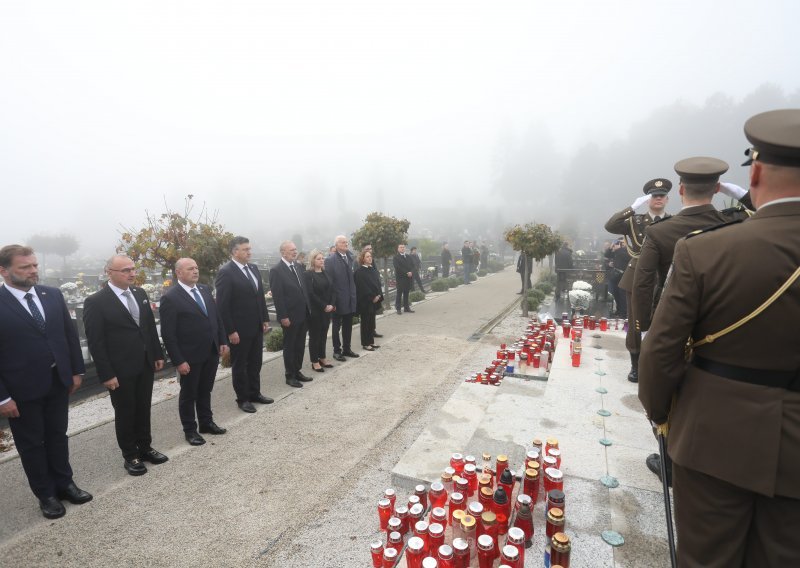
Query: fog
[(300, 117)]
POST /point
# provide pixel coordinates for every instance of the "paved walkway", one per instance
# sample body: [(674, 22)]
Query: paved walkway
[(292, 485)]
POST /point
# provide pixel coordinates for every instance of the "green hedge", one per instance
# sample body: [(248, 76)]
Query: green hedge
[(483, 272), (536, 294), (473, 277), (440, 285), (533, 304), (416, 296), (454, 281), (494, 266), (545, 286), (273, 341)]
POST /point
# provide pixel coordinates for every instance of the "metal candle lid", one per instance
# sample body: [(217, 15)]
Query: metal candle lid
[(435, 529), (475, 509), (437, 486), (416, 509), (488, 518), (510, 552), (460, 544), (502, 458), (486, 542), (416, 544), (516, 534), (377, 545), (421, 526), (389, 553), (445, 551), (429, 562), (468, 521)]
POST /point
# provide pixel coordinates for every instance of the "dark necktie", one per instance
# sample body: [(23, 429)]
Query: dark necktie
[(250, 277), (199, 301), (37, 315), (658, 218), (291, 267)]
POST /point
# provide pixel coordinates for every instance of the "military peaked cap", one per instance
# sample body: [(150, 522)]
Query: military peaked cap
[(658, 186), (775, 136), (700, 169)]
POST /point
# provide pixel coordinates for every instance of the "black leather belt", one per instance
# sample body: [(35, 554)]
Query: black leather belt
[(789, 380)]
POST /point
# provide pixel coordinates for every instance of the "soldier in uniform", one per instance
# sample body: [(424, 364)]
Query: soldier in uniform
[(632, 226), (740, 391), (699, 181)]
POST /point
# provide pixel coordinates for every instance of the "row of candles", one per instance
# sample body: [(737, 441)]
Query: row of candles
[(533, 349), (470, 511)]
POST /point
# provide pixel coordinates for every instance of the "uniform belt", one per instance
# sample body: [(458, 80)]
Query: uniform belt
[(789, 380)]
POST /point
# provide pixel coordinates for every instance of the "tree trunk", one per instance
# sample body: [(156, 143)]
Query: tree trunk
[(525, 285)]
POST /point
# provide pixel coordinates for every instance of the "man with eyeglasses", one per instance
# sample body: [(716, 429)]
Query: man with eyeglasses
[(123, 340)]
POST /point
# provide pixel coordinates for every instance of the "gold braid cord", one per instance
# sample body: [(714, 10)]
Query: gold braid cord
[(711, 338)]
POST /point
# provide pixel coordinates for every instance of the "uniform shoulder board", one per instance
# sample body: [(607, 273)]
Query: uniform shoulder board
[(712, 228), (661, 220), (739, 209)]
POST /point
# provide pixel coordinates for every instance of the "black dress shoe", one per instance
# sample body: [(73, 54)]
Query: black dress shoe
[(262, 399), (409, 310), (153, 456), (135, 467), (74, 494), (246, 406), (195, 439), (320, 370), (328, 365), (212, 428), (399, 313), (52, 508), (340, 358), (350, 354), (294, 383), (301, 377), (653, 462), (633, 376), (377, 335)]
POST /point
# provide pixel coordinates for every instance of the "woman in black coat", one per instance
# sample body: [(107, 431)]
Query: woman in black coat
[(322, 296), (368, 297)]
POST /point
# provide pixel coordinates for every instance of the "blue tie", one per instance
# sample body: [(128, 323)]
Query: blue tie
[(199, 301), (37, 315)]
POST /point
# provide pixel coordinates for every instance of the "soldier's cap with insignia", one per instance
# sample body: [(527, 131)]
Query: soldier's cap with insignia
[(700, 169), (775, 136), (656, 187)]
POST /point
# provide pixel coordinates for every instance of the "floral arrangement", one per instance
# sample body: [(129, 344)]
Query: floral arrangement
[(431, 269), (580, 253), (579, 299), (149, 288), (581, 285), (69, 287)]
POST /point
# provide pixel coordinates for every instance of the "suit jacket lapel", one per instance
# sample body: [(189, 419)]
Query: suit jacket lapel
[(9, 298), (189, 298), (112, 297)]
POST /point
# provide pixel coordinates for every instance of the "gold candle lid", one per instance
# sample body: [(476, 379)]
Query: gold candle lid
[(531, 472), (458, 514), (502, 458), (556, 513), (487, 457), (468, 522), (552, 442), (488, 518), (447, 476), (537, 442), (487, 492), (484, 479)]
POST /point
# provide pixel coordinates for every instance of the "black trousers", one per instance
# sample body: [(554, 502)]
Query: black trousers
[(403, 287), (318, 325), (294, 347), (246, 359), (721, 525), (132, 402), (367, 325), (522, 280), (196, 390), (40, 434), (446, 270), (418, 280), (345, 323)]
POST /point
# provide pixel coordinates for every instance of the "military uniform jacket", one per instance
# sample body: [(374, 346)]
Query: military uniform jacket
[(716, 421), (657, 250), (632, 226)]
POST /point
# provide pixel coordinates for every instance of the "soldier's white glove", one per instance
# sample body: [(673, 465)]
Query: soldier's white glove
[(732, 190), (640, 201)]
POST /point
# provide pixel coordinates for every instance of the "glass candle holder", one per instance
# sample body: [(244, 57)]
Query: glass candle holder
[(437, 496), (422, 495), (560, 547), (391, 495), (471, 475), (445, 556), (395, 540), (501, 464), (395, 524), (461, 555), (384, 513), (435, 537), (554, 478), (457, 503), (555, 453), (556, 498), (401, 512), (415, 513), (516, 538), (415, 552), (389, 557), (457, 462), (438, 515), (421, 531), (485, 549), (376, 549), (555, 522)]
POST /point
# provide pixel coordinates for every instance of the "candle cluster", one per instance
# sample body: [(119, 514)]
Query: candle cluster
[(532, 350), (477, 515)]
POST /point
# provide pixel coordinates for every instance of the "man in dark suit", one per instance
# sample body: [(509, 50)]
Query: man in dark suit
[(741, 389), (416, 260), (339, 266), (466, 260), (447, 258), (241, 303), (122, 337), (194, 336), (292, 308), (403, 272), (40, 366)]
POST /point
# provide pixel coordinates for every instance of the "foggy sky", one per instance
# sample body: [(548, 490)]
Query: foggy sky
[(280, 115)]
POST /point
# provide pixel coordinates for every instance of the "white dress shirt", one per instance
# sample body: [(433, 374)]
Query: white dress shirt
[(189, 291)]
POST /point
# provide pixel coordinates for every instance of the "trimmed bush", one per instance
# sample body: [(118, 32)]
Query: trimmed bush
[(440, 285), (483, 272), (473, 277), (273, 341), (545, 286), (494, 265), (454, 281), (536, 295), (356, 319), (416, 296), (533, 304)]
